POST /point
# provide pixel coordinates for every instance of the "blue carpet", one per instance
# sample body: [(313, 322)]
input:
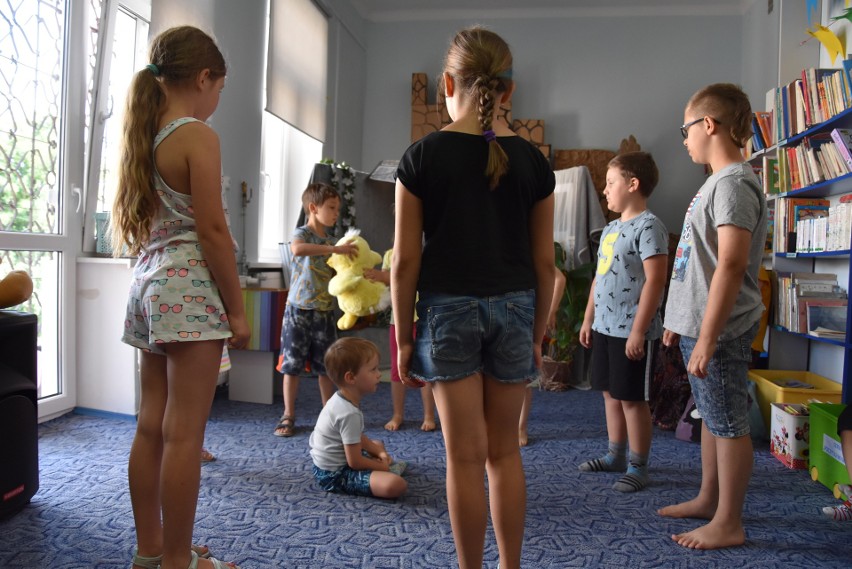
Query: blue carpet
[(258, 504)]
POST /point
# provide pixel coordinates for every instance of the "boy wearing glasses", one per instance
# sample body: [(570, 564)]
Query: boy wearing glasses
[(714, 308)]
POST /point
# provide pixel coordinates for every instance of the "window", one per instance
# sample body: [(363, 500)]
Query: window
[(287, 160), (127, 24), (294, 121), (44, 47)]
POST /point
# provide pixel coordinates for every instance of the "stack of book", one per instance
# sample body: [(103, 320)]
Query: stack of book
[(797, 296), (819, 157), (839, 236), (815, 97), (811, 225), (788, 213)]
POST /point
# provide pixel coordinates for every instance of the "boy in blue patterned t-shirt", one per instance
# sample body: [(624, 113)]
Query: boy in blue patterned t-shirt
[(308, 328), (622, 323)]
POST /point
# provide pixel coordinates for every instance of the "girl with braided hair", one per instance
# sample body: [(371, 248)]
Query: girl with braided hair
[(474, 236)]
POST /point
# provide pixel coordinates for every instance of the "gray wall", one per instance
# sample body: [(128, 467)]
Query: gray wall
[(593, 80)]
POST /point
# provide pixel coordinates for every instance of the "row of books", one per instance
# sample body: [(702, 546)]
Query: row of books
[(823, 228), (818, 158), (810, 303), (815, 97), (812, 225)]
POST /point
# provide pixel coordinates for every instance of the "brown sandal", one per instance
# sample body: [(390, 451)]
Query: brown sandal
[(286, 427)]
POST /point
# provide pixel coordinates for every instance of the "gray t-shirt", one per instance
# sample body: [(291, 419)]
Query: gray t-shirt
[(731, 196), (621, 275), (340, 423)]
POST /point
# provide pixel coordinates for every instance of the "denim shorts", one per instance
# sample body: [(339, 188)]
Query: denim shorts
[(344, 480), (722, 396), (305, 336), (458, 336)]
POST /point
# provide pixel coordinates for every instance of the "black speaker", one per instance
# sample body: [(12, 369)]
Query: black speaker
[(18, 410)]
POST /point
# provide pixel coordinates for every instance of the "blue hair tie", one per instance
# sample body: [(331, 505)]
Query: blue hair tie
[(155, 71), (489, 135), (505, 74)]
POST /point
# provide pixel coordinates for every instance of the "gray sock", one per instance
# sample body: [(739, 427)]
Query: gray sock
[(613, 461), (636, 478)]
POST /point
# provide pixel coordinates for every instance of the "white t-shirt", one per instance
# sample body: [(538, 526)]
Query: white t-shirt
[(340, 423)]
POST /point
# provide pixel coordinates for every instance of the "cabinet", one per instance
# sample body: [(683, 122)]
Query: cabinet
[(790, 349), (107, 370), (252, 375)]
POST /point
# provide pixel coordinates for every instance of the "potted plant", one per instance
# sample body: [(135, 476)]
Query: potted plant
[(565, 339)]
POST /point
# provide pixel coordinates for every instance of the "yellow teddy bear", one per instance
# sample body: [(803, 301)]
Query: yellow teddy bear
[(356, 295)]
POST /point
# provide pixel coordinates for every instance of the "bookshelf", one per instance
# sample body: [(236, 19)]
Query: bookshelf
[(794, 348)]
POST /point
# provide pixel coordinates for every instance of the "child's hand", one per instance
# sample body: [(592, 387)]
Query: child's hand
[(586, 334), (670, 338), (371, 274), (348, 249), (635, 346), (385, 458)]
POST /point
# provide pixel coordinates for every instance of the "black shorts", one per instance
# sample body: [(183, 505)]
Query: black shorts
[(612, 371), (844, 421)]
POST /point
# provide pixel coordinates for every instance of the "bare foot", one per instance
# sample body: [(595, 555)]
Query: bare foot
[(394, 423), (428, 424), (714, 535), (694, 508), (523, 439), (206, 456)]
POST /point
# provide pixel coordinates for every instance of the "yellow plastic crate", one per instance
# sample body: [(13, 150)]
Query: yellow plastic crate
[(770, 389)]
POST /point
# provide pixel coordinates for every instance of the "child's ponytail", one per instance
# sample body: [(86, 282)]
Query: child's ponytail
[(176, 57), (135, 202)]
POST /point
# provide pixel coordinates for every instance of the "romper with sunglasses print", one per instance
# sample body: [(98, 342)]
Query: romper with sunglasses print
[(173, 297)]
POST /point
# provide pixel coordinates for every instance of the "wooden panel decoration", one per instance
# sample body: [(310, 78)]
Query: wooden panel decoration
[(426, 118)]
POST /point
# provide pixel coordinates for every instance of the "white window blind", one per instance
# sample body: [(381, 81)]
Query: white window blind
[(296, 65)]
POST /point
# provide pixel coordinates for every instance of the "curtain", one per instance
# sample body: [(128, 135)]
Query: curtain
[(296, 66)]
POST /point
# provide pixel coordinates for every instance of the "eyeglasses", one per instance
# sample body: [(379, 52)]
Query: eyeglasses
[(684, 130)]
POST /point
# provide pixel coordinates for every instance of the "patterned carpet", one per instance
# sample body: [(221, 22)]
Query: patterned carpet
[(258, 505)]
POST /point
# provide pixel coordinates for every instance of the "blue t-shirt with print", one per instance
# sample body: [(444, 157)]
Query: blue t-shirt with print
[(621, 274), (310, 274)]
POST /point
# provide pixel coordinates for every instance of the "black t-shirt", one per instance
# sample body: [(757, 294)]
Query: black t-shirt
[(477, 240)]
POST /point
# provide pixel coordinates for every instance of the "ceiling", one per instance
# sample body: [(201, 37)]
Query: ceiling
[(408, 10)]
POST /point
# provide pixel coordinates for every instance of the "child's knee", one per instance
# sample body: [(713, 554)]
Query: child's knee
[(387, 485)]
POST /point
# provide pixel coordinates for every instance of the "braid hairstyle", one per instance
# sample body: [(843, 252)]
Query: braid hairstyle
[(729, 106), (480, 63), (177, 56)]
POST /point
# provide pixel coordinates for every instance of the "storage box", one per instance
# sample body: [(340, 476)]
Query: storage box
[(770, 389), (827, 463), (789, 439)]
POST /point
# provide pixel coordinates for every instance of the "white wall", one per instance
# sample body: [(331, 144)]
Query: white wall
[(593, 80)]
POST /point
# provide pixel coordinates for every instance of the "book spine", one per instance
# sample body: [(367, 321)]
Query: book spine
[(842, 147)]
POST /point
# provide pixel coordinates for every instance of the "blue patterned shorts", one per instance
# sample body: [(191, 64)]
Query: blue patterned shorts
[(305, 336), (458, 336), (344, 481), (722, 396)]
